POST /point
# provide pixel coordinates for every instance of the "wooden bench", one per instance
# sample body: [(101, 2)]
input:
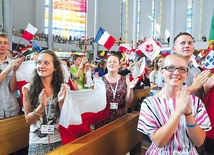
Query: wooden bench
[(138, 94), (116, 138), (14, 134)]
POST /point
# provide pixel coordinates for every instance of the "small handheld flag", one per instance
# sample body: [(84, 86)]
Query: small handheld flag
[(29, 32), (104, 38)]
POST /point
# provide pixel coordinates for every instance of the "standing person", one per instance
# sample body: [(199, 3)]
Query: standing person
[(9, 105), (101, 69), (174, 120), (154, 76), (119, 92), (43, 100), (72, 81), (184, 45), (208, 148), (88, 73), (77, 70)]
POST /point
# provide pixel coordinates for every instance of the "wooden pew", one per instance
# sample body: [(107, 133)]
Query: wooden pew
[(116, 138), (137, 95), (14, 134)]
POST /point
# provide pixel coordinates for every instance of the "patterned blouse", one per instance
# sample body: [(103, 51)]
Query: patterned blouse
[(113, 114), (155, 112)]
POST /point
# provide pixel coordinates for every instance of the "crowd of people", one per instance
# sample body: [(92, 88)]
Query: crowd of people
[(177, 116)]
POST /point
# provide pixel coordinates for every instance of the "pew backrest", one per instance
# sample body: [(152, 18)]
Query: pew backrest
[(14, 134), (115, 138)]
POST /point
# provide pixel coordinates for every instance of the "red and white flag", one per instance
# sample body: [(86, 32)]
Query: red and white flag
[(124, 47), (104, 38), (138, 71), (29, 32), (150, 48), (80, 108), (27, 48)]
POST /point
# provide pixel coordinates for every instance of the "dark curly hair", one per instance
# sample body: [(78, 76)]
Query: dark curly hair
[(36, 85)]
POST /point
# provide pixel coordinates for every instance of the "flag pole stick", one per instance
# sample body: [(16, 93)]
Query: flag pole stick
[(18, 43), (85, 42)]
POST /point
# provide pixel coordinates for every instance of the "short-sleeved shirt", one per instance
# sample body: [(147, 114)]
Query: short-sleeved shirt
[(155, 112), (80, 80), (9, 105), (100, 72), (50, 117)]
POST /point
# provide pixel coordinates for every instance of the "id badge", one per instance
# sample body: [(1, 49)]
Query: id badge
[(113, 105), (47, 129), (180, 153)]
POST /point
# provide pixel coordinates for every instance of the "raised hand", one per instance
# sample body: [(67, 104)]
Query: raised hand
[(18, 63), (133, 83), (43, 99), (183, 101)]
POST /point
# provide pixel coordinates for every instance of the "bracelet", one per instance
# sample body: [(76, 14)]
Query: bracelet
[(35, 114), (190, 113), (191, 125)]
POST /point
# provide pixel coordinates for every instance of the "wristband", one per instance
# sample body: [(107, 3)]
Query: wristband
[(190, 113), (35, 114), (191, 125)]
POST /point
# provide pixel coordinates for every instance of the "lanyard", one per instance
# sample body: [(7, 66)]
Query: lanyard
[(48, 112), (114, 90)]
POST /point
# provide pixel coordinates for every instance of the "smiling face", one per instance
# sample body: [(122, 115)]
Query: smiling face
[(113, 63), (45, 66), (184, 46), (178, 76)]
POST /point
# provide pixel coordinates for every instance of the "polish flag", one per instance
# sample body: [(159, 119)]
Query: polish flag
[(80, 108), (104, 38), (150, 48), (29, 32)]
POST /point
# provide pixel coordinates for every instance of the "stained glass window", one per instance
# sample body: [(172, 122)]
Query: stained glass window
[(68, 18)]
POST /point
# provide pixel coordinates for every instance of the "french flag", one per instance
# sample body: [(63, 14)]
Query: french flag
[(104, 38), (29, 32)]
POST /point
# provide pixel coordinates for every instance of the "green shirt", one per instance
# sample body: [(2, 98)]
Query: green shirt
[(79, 81)]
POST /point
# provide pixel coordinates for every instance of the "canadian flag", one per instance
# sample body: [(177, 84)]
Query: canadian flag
[(29, 32)]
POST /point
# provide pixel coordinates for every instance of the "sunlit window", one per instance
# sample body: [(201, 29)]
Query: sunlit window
[(189, 16)]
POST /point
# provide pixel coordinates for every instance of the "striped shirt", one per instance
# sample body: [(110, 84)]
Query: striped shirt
[(155, 112)]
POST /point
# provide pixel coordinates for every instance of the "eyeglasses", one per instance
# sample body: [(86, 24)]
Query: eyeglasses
[(3, 43), (173, 68)]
